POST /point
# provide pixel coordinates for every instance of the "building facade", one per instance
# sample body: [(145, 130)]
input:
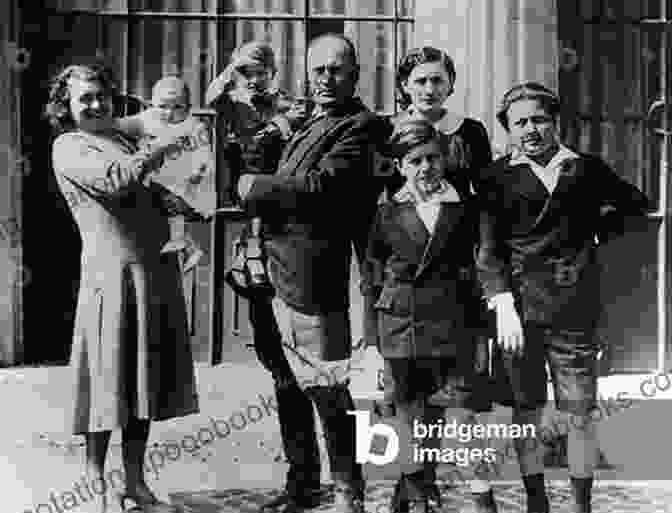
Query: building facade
[(608, 59)]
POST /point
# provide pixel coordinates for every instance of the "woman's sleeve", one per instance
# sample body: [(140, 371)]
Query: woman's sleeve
[(481, 151), (133, 126), (89, 170)]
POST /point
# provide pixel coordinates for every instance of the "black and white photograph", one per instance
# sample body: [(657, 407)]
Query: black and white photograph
[(341, 256)]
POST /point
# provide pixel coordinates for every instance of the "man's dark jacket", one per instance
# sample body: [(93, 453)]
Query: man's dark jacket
[(542, 247), (319, 204)]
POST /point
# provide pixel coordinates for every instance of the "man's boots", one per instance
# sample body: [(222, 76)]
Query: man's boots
[(349, 499), (581, 493), (537, 500)]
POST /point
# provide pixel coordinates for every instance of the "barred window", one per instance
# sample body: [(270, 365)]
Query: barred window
[(143, 40)]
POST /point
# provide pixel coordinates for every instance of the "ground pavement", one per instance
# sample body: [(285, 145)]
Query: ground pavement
[(608, 498), (228, 458)]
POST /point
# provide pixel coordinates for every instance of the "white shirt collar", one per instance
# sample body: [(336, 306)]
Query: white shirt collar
[(550, 173), (447, 194), (563, 154), (449, 123), (428, 211)]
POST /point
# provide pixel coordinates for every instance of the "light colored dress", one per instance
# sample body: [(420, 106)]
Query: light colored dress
[(131, 353)]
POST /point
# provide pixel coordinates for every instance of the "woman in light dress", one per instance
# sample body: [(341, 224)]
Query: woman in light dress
[(131, 357)]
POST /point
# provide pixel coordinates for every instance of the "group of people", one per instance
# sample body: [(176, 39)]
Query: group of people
[(444, 242)]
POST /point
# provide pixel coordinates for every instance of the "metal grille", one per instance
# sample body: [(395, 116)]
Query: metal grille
[(614, 80), (307, 18), (664, 23)]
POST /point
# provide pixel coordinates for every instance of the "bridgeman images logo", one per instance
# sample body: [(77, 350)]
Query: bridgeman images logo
[(365, 433), (373, 436)]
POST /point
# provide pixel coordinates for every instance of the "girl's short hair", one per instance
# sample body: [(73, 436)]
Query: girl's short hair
[(415, 57), (254, 53), (528, 91), (57, 110), (409, 133)]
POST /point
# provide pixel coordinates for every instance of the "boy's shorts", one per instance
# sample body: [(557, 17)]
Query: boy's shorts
[(417, 379), (521, 382)]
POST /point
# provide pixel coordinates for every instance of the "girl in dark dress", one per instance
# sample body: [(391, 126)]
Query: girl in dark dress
[(425, 79)]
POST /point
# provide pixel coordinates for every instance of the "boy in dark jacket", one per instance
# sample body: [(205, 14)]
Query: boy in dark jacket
[(422, 278), (542, 209)]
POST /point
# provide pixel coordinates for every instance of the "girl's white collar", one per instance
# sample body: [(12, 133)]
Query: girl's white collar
[(448, 124)]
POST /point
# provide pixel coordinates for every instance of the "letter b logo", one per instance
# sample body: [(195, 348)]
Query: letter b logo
[(365, 432)]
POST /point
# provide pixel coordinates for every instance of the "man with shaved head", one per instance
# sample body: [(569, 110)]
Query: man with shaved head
[(316, 207)]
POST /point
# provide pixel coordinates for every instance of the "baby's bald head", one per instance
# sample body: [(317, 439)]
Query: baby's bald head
[(171, 94)]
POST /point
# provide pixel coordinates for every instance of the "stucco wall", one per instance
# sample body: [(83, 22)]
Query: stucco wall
[(495, 44)]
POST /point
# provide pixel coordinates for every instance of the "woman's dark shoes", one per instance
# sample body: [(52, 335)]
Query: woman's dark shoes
[(131, 503)]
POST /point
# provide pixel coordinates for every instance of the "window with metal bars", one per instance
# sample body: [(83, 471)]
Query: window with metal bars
[(611, 70), (143, 40), (615, 86)]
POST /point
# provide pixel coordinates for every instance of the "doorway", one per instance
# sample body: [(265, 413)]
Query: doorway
[(51, 241)]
